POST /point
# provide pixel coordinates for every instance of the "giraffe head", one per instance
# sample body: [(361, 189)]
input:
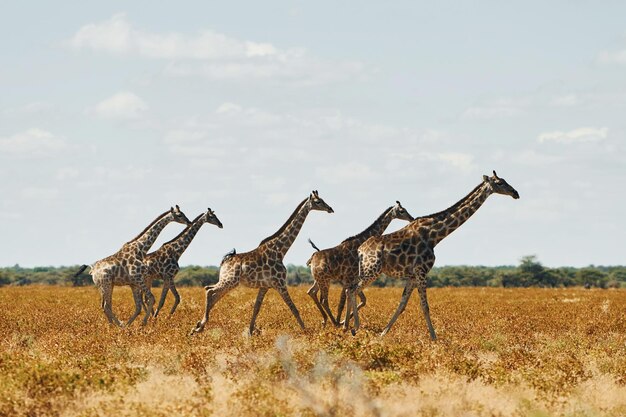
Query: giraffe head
[(316, 203), (179, 216), (399, 212), (211, 218), (500, 186)]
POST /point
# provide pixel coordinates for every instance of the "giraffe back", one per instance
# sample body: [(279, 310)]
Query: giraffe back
[(255, 269), (336, 264)]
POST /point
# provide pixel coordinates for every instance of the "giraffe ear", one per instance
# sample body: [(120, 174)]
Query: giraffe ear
[(485, 178)]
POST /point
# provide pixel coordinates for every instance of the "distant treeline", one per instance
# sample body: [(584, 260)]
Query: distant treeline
[(529, 273)]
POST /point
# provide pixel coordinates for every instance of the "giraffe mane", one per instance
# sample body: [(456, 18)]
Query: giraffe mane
[(149, 226), (185, 229), (369, 228), (284, 226), (452, 207)]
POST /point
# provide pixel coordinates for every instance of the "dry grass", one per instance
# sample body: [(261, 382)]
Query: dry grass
[(521, 352)]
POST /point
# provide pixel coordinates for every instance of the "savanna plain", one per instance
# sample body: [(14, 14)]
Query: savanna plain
[(500, 352)]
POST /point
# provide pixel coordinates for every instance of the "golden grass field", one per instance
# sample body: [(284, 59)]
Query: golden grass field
[(501, 352)]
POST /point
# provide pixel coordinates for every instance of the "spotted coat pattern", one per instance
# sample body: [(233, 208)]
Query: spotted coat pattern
[(262, 267), (163, 263), (341, 263), (127, 267), (409, 252)]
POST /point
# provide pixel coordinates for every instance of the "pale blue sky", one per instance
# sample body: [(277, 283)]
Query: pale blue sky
[(112, 112)]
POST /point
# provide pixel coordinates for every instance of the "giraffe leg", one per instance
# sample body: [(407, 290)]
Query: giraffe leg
[(324, 301), (287, 299), (213, 295), (342, 303), (351, 309), (176, 298), (313, 294), (164, 290), (361, 304), (101, 297), (363, 300), (257, 308), (108, 304), (406, 294), (142, 293), (149, 301), (425, 310), (138, 305)]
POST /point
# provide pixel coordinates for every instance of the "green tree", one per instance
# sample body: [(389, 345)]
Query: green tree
[(4, 279), (592, 276)]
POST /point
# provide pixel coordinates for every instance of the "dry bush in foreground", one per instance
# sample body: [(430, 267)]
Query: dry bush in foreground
[(519, 352)]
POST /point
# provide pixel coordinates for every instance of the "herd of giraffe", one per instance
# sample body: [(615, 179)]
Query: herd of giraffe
[(355, 263)]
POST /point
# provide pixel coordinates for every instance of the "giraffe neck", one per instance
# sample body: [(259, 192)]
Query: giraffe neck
[(285, 238), (441, 229), (375, 229), (378, 227), (144, 241), (180, 243)]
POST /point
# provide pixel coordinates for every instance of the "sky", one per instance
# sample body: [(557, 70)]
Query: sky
[(112, 112)]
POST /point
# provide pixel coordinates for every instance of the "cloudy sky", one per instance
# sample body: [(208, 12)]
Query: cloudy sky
[(112, 112)]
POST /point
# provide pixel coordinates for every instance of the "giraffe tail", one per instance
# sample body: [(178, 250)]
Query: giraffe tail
[(80, 271), (229, 255), (313, 244), (308, 263)]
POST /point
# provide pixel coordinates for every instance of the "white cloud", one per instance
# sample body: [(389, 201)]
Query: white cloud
[(228, 108), (532, 157), (499, 109), (614, 57), (35, 108), (32, 142), (461, 161), (210, 54), (116, 35), (568, 100), (38, 193), (184, 136), (265, 140), (113, 35), (121, 106), (67, 173), (345, 173), (128, 173), (582, 134)]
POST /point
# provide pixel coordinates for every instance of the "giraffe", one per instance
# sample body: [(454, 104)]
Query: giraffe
[(409, 252), (126, 267), (163, 263), (341, 263), (262, 267)]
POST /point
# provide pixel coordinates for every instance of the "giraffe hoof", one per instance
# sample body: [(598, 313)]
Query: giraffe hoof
[(353, 332), (254, 332), (196, 329)]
